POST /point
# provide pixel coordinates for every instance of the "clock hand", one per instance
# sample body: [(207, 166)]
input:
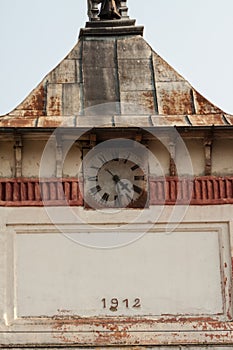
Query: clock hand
[(109, 172), (115, 178)]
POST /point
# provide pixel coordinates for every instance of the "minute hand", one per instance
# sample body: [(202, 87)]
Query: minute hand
[(109, 172)]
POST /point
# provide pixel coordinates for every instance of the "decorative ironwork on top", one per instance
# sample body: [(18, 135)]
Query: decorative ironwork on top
[(109, 10)]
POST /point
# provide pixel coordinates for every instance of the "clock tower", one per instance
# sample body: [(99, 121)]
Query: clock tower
[(115, 202)]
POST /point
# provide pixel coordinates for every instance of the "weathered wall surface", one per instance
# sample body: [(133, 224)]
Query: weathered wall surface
[(7, 163), (47, 261), (195, 150), (222, 157), (159, 161), (72, 162), (31, 159), (141, 348)]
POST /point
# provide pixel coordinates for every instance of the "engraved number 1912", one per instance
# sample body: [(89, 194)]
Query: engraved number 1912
[(114, 303)]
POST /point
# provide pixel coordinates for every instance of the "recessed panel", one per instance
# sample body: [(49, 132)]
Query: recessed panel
[(175, 274)]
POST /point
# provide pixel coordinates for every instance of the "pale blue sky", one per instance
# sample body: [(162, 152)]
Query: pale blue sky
[(194, 36)]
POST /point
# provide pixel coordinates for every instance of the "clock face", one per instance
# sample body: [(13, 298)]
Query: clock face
[(115, 179)]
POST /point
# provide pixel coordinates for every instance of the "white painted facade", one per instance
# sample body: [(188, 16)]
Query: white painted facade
[(56, 270)]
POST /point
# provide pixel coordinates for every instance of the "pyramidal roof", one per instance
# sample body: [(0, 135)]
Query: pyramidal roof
[(112, 77)]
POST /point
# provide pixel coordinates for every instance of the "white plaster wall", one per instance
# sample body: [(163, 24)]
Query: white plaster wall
[(159, 159), (72, 161), (190, 157), (222, 157), (6, 159), (32, 154), (64, 275), (17, 233), (196, 152)]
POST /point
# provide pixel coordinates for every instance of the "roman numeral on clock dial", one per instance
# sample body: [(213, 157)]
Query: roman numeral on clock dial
[(95, 189), (135, 167), (93, 178), (105, 197), (139, 178), (137, 189)]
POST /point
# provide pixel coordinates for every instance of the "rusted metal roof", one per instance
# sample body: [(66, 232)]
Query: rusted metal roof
[(112, 81), (118, 121)]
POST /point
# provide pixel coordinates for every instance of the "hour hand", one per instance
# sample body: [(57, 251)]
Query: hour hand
[(115, 178)]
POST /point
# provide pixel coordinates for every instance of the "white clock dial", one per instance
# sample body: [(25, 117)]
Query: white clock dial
[(115, 181)]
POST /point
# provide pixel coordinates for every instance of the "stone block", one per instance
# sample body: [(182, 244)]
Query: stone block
[(135, 75), (65, 72), (135, 47), (174, 98), (71, 104)]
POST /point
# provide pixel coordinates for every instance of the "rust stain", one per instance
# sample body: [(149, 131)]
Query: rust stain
[(123, 324), (18, 122), (203, 120), (54, 106), (148, 101), (52, 121), (22, 113), (35, 101), (118, 330), (27, 113), (203, 106), (216, 337), (175, 102), (174, 120), (117, 334), (229, 119)]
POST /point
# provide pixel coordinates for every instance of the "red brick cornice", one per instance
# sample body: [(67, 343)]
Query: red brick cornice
[(206, 190), (203, 190)]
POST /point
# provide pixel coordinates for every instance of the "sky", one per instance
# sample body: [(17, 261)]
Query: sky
[(193, 36)]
